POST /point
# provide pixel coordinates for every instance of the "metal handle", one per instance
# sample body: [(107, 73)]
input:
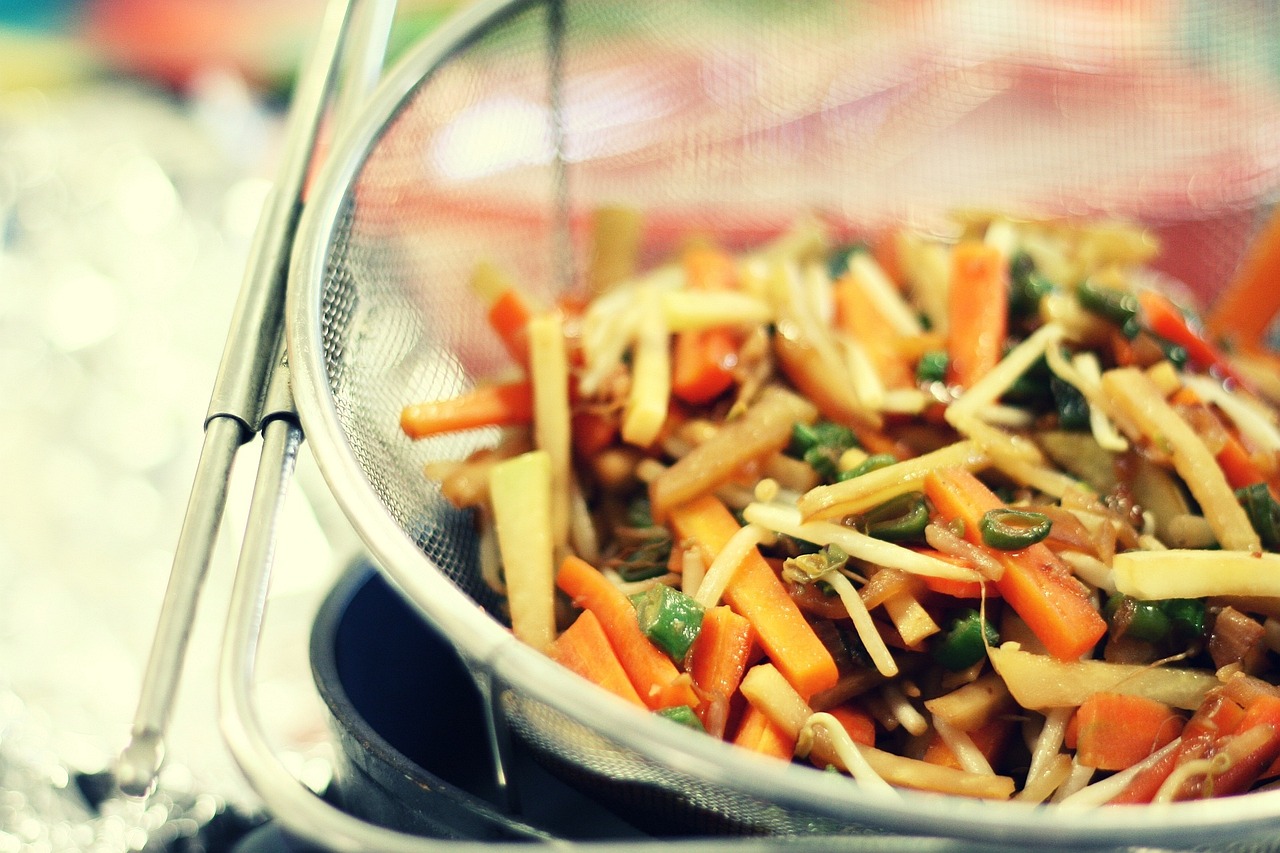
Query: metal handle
[(235, 409)]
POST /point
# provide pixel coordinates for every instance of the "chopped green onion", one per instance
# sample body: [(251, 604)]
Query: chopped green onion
[(1026, 286), (965, 640), (682, 714), (932, 367), (1142, 620), (669, 618), (1073, 408), (1013, 529), (871, 463), (898, 519), (1119, 306), (1263, 512)]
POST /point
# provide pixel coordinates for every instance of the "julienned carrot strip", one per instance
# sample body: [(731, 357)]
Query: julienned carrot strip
[(509, 404), (717, 661), (758, 594), (978, 301), (584, 648), (1035, 583), (509, 316), (1243, 312), (651, 672), (1165, 319), (702, 361), (1216, 717), (858, 315), (760, 734), (1115, 730)]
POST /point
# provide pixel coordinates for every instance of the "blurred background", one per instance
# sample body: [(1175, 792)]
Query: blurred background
[(137, 141)]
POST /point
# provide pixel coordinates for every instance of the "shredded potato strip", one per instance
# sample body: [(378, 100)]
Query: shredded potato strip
[(646, 408), (549, 369), (1016, 362), (873, 488), (1137, 396)]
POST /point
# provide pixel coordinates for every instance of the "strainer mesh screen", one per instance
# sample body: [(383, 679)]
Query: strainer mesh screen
[(736, 118)]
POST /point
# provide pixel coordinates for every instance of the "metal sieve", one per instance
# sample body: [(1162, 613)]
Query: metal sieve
[(498, 135)]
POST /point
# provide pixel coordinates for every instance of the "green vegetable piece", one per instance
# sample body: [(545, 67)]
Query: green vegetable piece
[(838, 262), (1186, 616), (1026, 286), (1142, 620), (932, 367), (648, 560), (965, 640), (682, 714), (1119, 306), (898, 519), (871, 463), (821, 445), (1073, 408), (1013, 529), (639, 512), (669, 618), (1263, 512), (806, 568)]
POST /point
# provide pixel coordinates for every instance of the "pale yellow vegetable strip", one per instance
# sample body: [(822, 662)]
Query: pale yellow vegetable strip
[(610, 324), (786, 519), (998, 444), (549, 372), (867, 385), (1084, 374), (861, 493), (1040, 477), (1016, 362), (972, 705), (876, 284), (520, 490), (926, 267), (766, 689), (1254, 424), (913, 622), (687, 310), (646, 408), (1135, 395), (615, 245), (1176, 573), (726, 563), (1040, 681)]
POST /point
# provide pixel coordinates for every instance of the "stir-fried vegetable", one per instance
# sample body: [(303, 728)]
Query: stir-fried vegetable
[(879, 507)]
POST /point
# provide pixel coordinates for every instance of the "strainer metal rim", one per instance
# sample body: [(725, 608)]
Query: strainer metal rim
[(488, 646)]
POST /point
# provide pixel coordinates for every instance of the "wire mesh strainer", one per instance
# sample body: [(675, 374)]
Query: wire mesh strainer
[(499, 135)]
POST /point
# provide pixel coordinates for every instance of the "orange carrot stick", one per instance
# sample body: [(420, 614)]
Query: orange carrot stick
[(509, 404), (717, 661), (989, 738), (1165, 319), (584, 648), (1115, 731), (651, 672), (757, 593), (760, 734), (858, 315), (1243, 312), (702, 361), (858, 723), (1035, 583), (978, 304)]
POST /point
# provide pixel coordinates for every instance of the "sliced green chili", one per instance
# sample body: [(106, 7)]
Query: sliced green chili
[(932, 367), (1026, 286), (866, 466), (1142, 620), (682, 714), (961, 644), (1186, 616), (898, 519), (1263, 512), (669, 618), (1119, 306), (1013, 529)]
